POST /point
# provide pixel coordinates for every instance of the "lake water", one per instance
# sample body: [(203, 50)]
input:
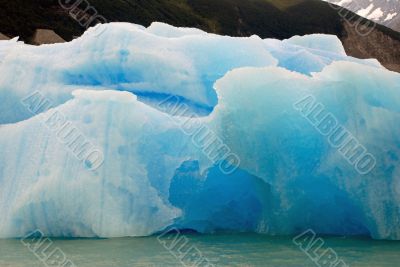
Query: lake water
[(221, 250)]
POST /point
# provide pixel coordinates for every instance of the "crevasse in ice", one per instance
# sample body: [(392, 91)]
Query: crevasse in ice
[(156, 102)]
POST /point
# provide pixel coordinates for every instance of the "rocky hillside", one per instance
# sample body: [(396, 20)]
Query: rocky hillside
[(266, 18)]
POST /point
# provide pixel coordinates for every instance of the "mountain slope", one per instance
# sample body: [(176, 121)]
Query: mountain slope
[(385, 12), (266, 18)]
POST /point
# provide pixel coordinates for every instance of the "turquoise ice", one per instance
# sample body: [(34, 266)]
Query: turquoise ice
[(122, 86)]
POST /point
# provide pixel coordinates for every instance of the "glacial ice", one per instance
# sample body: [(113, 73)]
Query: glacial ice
[(122, 86)]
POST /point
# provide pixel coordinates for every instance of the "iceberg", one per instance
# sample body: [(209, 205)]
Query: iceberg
[(128, 131)]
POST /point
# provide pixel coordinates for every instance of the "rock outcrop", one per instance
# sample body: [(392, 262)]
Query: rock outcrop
[(44, 36), (3, 37)]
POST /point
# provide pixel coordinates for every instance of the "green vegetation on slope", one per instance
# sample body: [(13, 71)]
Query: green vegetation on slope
[(267, 18)]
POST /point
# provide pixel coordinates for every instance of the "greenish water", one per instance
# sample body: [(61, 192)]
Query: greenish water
[(221, 250)]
